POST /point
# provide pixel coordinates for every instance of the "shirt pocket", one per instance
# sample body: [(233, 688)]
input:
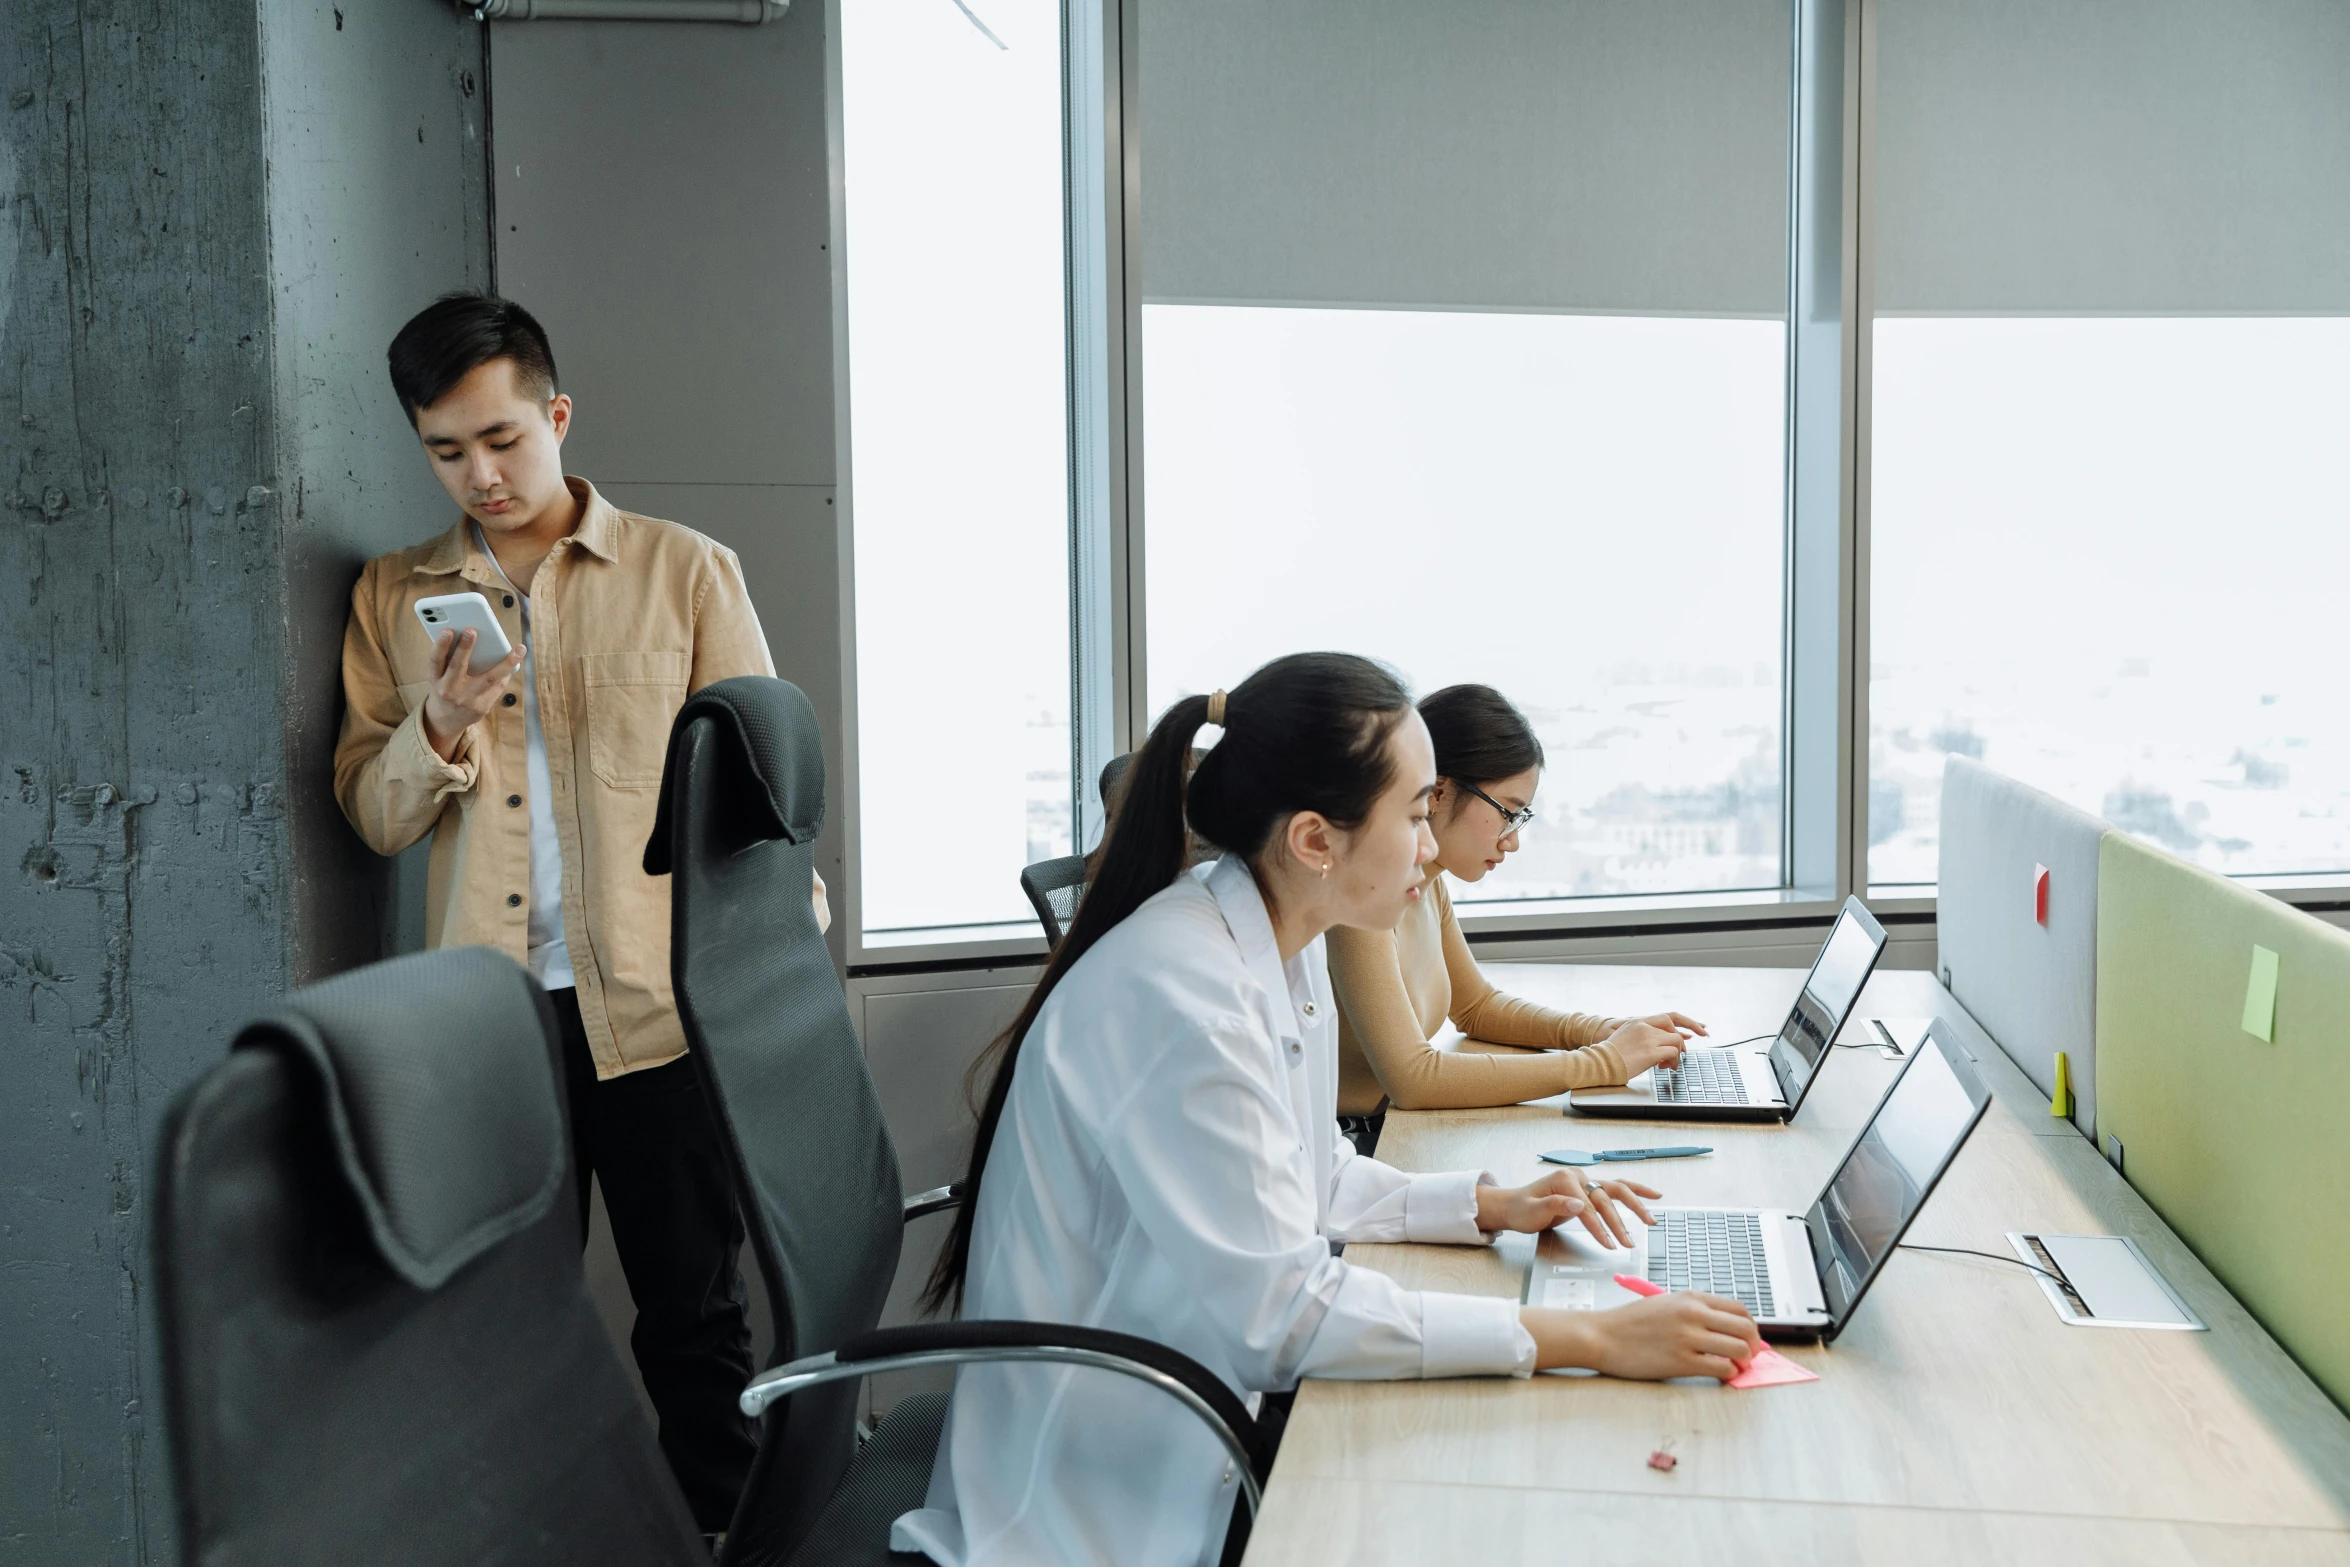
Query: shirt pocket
[(632, 698)]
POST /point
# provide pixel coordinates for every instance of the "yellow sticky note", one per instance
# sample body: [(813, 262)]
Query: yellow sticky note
[(2260, 997), (2060, 1103)]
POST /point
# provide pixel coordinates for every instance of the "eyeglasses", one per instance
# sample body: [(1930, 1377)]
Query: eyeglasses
[(1511, 820)]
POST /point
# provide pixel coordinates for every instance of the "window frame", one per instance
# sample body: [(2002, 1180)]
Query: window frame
[(1825, 619)]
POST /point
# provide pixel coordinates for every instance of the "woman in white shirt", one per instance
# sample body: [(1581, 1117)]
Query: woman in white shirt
[(1159, 1154)]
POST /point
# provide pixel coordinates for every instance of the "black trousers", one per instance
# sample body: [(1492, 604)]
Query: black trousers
[(1272, 1424), (649, 1139), (1363, 1130)]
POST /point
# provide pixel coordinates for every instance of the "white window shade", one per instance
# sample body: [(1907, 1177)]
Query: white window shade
[(1588, 156), (2156, 157)]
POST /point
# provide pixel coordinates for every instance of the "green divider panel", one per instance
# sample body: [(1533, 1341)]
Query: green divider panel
[(2242, 1145)]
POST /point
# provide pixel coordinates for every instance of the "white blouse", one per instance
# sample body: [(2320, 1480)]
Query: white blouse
[(1169, 1165)]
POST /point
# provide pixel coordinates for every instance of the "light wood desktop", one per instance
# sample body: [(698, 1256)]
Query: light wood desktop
[(1956, 1420)]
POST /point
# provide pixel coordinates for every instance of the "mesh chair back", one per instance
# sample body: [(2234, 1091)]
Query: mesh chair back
[(742, 801), (378, 1343), (1053, 888), (1113, 774)]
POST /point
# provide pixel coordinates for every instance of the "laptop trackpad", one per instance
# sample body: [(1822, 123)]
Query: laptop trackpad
[(1568, 1294), (1572, 1272)]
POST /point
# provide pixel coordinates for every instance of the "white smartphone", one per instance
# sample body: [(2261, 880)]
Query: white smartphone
[(466, 612)]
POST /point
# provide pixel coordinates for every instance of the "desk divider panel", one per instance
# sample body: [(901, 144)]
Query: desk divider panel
[(2032, 985), (2242, 1145)]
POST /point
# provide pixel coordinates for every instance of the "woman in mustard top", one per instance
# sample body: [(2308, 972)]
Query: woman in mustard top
[(1395, 988)]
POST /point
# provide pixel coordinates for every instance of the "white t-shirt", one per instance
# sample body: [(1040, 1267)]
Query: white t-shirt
[(550, 954)]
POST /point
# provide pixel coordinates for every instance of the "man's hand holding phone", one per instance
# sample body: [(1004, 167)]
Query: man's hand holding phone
[(460, 699)]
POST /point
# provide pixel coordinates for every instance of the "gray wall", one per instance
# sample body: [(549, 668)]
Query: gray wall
[(664, 208), (1481, 154), (194, 467), (922, 1033), (2113, 156)]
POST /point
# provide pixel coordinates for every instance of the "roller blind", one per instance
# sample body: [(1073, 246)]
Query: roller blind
[(1572, 155), (2112, 157)]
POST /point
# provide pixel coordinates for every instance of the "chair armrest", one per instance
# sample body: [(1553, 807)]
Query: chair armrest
[(934, 1200), (952, 1343)]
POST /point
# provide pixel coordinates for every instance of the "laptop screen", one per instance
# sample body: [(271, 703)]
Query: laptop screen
[(1888, 1171), (1827, 998)]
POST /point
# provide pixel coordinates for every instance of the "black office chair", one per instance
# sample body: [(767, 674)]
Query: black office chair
[(742, 801), (377, 1338), (1113, 774), (1054, 886)]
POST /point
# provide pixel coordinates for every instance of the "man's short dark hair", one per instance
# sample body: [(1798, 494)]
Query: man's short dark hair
[(456, 334)]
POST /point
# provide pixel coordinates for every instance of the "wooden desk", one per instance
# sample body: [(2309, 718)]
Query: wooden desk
[(1957, 1420)]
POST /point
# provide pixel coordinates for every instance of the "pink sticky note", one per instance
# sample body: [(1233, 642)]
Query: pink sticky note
[(1769, 1368), (2040, 894)]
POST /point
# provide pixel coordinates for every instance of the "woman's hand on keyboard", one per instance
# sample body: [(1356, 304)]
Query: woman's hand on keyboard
[(1559, 1196), (1641, 1044), (1676, 1022), (1602, 1195), (1685, 1334)]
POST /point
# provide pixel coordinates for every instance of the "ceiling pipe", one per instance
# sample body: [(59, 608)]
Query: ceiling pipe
[(748, 12)]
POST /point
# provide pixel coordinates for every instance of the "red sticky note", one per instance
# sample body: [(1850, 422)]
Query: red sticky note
[(1769, 1368), (2040, 893)]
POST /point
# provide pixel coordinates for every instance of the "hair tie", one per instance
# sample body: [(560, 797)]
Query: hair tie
[(1216, 708)]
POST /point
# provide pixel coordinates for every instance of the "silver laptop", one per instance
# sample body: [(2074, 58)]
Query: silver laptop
[(1799, 1274), (1733, 1085)]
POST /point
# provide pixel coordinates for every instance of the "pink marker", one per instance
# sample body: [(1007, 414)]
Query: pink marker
[(1639, 1286)]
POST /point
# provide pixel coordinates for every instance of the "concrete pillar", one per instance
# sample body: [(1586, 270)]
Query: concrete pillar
[(213, 214)]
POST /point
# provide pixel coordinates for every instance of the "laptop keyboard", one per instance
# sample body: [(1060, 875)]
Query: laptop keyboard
[(1704, 1077), (1720, 1253)]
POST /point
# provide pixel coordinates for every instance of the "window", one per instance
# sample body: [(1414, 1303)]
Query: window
[(2110, 446), (951, 126), (1464, 348), (1461, 337), (2109, 560)]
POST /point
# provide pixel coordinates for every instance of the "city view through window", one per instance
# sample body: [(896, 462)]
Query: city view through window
[(959, 454), (1583, 511)]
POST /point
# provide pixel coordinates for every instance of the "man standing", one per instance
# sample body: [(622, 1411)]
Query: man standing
[(539, 793)]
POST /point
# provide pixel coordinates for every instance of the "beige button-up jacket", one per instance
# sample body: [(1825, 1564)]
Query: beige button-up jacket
[(629, 615)]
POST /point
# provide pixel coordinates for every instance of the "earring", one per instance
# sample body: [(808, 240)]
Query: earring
[(1325, 867)]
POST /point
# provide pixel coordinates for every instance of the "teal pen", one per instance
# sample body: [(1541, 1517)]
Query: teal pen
[(1577, 1156)]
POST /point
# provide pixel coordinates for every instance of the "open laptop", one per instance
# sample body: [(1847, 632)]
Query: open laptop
[(1733, 1085), (1800, 1275)]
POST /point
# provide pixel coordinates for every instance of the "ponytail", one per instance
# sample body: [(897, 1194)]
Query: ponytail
[(1307, 732)]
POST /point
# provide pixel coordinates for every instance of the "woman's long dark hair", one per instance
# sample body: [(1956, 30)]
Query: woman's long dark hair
[(1479, 737), (1307, 732)]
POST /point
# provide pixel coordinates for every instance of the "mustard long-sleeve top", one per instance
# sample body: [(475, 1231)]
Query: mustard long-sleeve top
[(1395, 989)]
